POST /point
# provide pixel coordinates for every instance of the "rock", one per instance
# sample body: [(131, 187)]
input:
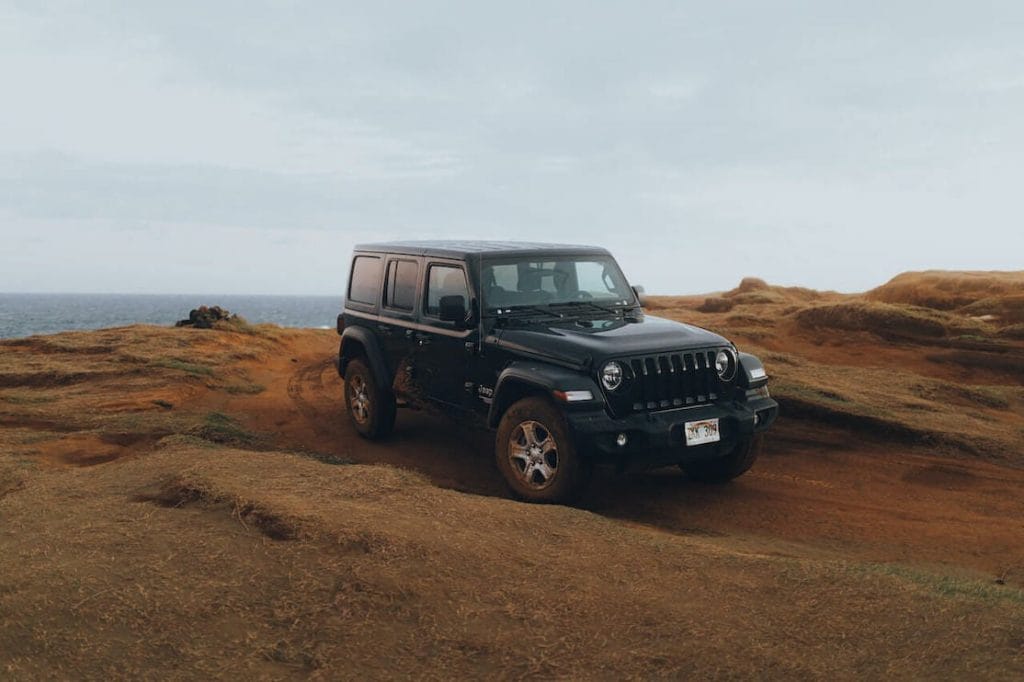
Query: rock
[(205, 317)]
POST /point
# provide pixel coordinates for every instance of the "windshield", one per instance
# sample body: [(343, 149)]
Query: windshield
[(510, 283)]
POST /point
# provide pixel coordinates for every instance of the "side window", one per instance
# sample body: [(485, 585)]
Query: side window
[(444, 280), (400, 292), (364, 282)]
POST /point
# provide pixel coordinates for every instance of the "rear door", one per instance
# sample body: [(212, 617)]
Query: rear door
[(398, 316)]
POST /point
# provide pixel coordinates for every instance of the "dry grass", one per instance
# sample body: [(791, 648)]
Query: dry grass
[(280, 566), (952, 417), (244, 388), (180, 365), (1014, 331), (716, 304), (945, 290), (941, 377), (219, 428), (1007, 310), (884, 320)]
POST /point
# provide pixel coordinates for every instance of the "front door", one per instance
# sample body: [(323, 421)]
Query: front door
[(445, 352)]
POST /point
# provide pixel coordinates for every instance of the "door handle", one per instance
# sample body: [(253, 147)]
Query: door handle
[(423, 339), (384, 329)]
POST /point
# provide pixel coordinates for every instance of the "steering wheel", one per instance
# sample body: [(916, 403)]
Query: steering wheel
[(583, 296)]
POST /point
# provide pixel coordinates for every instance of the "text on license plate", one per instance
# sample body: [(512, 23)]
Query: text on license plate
[(704, 431)]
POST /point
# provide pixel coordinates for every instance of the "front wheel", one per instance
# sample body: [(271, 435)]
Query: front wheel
[(727, 467), (370, 407), (536, 455)]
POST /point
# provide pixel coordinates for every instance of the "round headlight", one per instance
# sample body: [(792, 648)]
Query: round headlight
[(725, 364), (611, 376)]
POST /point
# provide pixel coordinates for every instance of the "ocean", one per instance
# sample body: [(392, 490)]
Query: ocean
[(29, 314)]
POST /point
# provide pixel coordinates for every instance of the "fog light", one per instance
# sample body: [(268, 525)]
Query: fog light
[(621, 440), (759, 392)]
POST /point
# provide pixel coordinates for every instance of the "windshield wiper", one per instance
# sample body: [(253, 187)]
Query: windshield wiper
[(588, 304), (520, 311)]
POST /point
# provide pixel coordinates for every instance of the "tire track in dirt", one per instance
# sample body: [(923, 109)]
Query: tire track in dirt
[(308, 378), (449, 453)]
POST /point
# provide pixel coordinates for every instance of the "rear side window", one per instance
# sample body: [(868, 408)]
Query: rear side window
[(364, 284), (444, 280), (400, 292)]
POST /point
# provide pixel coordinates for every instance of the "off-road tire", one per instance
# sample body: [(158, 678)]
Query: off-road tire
[(727, 467), (572, 471), (372, 413)]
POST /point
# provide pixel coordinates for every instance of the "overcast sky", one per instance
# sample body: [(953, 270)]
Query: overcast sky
[(244, 147)]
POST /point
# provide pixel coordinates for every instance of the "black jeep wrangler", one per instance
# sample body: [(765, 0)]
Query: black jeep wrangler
[(549, 345)]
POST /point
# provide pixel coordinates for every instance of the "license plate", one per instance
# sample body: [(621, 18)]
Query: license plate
[(698, 433)]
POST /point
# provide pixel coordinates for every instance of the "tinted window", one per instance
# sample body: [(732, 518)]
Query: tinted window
[(444, 280), (364, 284), (401, 289)]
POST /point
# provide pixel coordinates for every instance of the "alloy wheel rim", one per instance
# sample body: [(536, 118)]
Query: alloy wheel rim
[(533, 454), (359, 400)]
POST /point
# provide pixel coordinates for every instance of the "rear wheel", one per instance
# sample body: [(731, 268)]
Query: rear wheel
[(536, 455), (727, 467), (371, 408)]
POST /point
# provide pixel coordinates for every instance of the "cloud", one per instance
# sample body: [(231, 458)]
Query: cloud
[(828, 145), (132, 103)]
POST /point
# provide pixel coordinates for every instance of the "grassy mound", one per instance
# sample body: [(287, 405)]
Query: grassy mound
[(881, 319), (946, 290), (752, 290), (1001, 310), (1014, 331)]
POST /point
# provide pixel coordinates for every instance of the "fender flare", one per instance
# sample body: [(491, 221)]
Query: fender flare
[(751, 374), (371, 346), (536, 377)]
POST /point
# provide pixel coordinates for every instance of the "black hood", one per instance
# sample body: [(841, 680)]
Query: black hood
[(580, 342)]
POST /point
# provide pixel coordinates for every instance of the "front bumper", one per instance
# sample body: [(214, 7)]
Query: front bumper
[(656, 438)]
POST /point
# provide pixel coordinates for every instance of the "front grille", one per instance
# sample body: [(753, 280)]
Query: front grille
[(675, 380)]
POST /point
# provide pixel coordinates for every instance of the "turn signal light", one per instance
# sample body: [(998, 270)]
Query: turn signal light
[(573, 396)]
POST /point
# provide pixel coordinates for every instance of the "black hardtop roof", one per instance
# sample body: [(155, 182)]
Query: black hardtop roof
[(461, 249)]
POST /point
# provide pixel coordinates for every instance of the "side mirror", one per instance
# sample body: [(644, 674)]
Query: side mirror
[(453, 309), (641, 296)]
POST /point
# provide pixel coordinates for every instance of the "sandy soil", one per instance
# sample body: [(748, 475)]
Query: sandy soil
[(181, 502)]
